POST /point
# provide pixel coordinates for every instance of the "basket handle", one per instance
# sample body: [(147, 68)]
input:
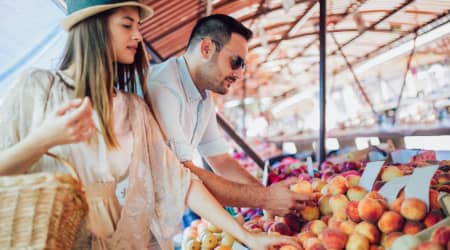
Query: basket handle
[(72, 170)]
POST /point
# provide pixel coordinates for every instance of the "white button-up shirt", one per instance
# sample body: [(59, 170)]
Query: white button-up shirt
[(187, 116)]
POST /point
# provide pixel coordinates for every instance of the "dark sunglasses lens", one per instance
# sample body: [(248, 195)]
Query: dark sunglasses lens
[(237, 62)]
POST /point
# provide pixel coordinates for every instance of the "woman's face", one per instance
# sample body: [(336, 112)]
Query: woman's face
[(123, 27)]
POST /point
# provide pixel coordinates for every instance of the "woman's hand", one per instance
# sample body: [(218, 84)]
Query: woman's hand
[(68, 124), (261, 241)]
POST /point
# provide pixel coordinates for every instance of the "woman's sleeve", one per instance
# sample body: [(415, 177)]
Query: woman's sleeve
[(20, 107)]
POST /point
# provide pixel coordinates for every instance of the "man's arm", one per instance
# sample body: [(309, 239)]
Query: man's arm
[(277, 198), (224, 165)]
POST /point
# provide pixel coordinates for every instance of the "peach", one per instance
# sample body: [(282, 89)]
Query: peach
[(325, 218), (324, 205), (374, 195), (308, 243), (338, 185), (227, 239), (396, 204), (294, 222), (434, 199), (192, 244), (443, 178), (333, 239), (357, 242), (390, 221), (352, 211), (441, 236), (368, 230), (289, 247), (370, 209), (353, 180), (356, 193), (338, 202), (221, 247), (378, 185), (347, 227), (281, 228), (303, 236), (317, 184), (433, 217), (340, 214), (390, 172), (413, 209), (309, 213), (334, 223), (302, 187), (412, 227), (428, 245), (316, 226), (209, 241), (388, 239), (376, 247), (405, 242)]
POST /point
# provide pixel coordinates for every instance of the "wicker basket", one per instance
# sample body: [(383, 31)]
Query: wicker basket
[(41, 211)]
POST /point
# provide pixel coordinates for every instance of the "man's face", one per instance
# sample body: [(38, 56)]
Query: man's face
[(218, 74)]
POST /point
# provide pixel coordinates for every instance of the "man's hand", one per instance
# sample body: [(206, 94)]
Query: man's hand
[(281, 200)]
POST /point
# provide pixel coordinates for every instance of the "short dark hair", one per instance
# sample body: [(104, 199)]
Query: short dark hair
[(219, 28)]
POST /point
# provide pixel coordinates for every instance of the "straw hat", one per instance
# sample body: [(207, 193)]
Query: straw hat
[(78, 10)]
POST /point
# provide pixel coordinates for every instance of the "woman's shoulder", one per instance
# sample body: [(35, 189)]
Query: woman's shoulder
[(36, 77)]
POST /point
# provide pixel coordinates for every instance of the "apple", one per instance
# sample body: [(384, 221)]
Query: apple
[(333, 239), (368, 230), (357, 242), (412, 227), (370, 209), (356, 193), (433, 217), (352, 211), (391, 172), (413, 209), (405, 242), (390, 221), (441, 236)]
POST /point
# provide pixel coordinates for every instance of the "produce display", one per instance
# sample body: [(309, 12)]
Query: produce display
[(346, 216)]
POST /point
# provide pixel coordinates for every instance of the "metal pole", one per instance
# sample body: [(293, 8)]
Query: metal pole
[(239, 141), (322, 79)]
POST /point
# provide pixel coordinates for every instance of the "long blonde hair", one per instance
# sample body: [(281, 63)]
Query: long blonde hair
[(97, 74)]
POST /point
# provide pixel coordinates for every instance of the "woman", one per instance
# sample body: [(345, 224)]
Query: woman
[(88, 113)]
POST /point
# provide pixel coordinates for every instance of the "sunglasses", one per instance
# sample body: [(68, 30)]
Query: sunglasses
[(236, 61)]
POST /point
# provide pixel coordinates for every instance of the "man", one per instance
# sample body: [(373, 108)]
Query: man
[(180, 90)]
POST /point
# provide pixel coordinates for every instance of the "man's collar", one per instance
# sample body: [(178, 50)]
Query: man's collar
[(191, 90)]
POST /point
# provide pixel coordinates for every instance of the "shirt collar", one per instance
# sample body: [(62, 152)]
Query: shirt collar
[(66, 78), (190, 89)]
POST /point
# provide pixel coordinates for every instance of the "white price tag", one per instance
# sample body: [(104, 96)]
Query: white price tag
[(391, 189), (419, 184), (238, 246), (310, 166), (265, 176), (370, 174)]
